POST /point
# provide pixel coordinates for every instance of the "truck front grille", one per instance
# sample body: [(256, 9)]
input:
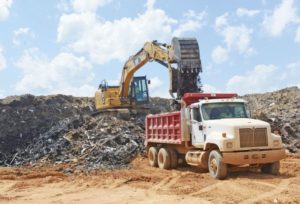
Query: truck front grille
[(256, 137)]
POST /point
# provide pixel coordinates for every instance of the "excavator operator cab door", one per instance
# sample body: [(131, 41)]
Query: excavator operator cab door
[(139, 90)]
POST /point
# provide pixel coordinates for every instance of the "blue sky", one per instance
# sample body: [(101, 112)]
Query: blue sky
[(70, 46)]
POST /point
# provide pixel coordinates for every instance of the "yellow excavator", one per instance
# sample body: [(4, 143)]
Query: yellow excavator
[(181, 58)]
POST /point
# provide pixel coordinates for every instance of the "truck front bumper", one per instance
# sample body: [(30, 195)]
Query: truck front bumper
[(253, 157)]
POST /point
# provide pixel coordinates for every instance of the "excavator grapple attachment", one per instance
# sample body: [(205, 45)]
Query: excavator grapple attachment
[(186, 54)]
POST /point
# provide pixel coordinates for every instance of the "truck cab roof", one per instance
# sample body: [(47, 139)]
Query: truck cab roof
[(190, 98), (227, 100)]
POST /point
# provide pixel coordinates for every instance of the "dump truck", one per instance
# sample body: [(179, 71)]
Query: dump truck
[(214, 132)]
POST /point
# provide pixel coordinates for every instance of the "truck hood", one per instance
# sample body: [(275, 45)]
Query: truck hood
[(230, 125), (237, 122)]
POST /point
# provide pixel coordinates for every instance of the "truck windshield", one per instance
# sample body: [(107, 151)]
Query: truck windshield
[(213, 111)]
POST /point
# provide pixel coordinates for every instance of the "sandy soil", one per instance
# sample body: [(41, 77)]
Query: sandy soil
[(142, 184)]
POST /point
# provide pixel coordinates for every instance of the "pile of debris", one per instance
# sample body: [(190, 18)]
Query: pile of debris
[(103, 141), (60, 129), (282, 110)]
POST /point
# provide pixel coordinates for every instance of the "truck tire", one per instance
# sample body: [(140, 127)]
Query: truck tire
[(271, 168), (152, 156), (217, 169), (164, 160), (174, 158)]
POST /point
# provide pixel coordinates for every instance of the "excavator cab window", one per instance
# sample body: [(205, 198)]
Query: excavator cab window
[(139, 90)]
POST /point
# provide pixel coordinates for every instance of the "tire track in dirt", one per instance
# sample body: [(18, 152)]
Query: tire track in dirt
[(281, 187), (167, 182), (209, 188), (236, 190)]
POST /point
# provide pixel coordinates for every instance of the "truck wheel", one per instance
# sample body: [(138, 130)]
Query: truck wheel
[(217, 169), (271, 168), (174, 158), (164, 160), (152, 156)]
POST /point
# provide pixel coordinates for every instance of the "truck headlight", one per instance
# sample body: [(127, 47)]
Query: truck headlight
[(229, 145), (276, 143)]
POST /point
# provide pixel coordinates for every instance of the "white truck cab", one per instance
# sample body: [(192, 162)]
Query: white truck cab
[(240, 140)]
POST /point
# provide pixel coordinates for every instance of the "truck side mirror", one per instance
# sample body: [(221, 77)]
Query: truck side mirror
[(149, 81), (200, 127)]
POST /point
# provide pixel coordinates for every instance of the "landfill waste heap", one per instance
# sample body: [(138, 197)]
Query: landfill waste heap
[(62, 129), (282, 110)]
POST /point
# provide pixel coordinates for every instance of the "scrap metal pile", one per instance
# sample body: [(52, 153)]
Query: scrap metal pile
[(282, 110), (59, 129)]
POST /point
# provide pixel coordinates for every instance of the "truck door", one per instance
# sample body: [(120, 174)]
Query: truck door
[(196, 123)]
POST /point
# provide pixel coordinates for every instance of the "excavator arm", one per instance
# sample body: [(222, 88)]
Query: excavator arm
[(181, 58), (150, 51), (184, 52)]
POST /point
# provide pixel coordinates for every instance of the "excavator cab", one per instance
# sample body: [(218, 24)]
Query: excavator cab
[(139, 93)]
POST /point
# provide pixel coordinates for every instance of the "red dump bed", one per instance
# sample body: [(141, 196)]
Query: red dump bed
[(163, 128)]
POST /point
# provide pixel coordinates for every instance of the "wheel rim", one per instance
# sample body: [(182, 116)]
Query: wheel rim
[(213, 166)]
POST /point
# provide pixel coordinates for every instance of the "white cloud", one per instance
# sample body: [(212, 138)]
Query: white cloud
[(22, 32), (4, 9), (265, 78), (2, 60), (118, 39), (105, 40), (65, 73), (246, 12), (2, 94), (219, 55), (261, 78), (291, 74), (155, 83), (283, 14), (221, 21), (192, 22), (150, 4), (297, 37), (236, 37), (207, 88), (88, 5), (116, 81), (157, 88)]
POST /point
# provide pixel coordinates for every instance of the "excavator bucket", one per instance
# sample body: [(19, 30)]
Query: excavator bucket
[(186, 54)]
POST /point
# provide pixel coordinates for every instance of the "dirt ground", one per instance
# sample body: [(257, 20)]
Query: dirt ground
[(142, 184)]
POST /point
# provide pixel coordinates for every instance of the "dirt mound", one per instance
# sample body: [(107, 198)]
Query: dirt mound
[(282, 110)]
